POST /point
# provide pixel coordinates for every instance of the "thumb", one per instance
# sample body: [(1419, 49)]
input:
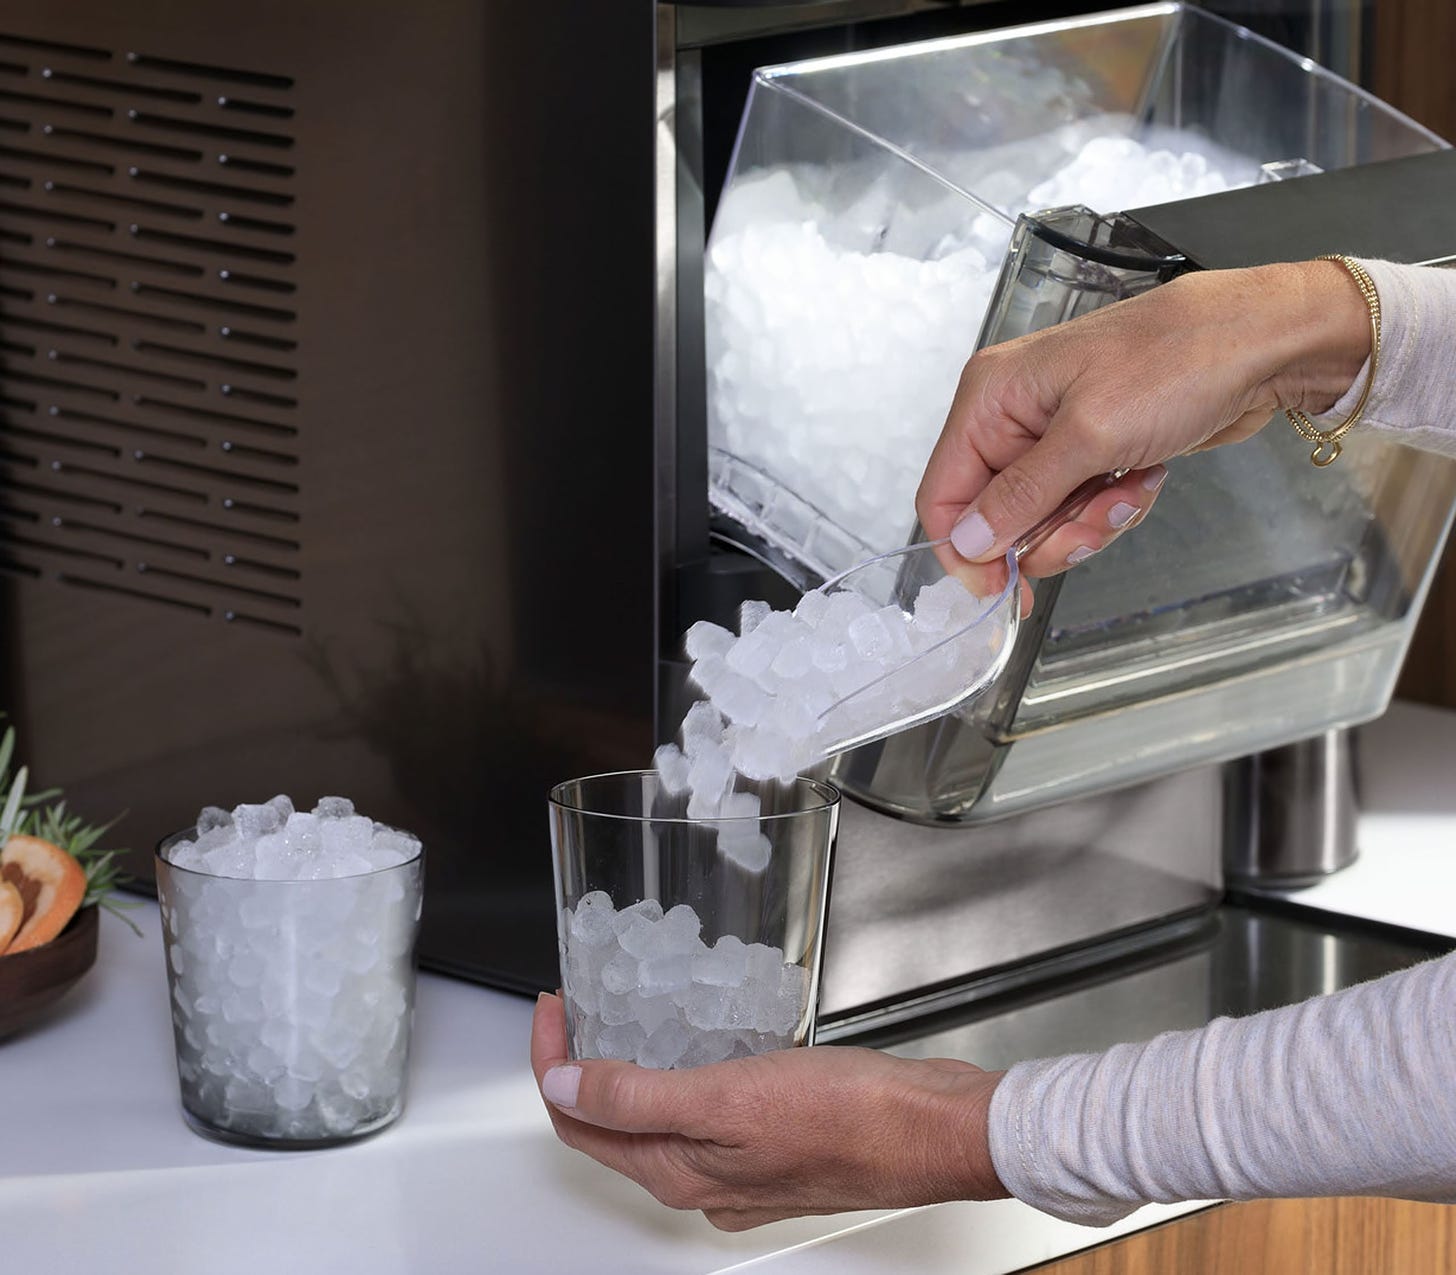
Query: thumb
[(615, 1095), (1020, 496), (631, 1099)]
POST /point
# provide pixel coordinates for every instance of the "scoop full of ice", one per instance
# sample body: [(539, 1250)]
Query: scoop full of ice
[(273, 841), (790, 684), (643, 985)]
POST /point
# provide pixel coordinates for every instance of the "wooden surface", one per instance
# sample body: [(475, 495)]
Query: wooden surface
[(1285, 1237), (1429, 674), (1412, 71)]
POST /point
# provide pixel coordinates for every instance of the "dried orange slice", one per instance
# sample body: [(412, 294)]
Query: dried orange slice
[(51, 885), (12, 912)]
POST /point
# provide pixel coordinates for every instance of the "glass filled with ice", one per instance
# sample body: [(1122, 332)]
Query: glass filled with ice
[(690, 940), (290, 944)]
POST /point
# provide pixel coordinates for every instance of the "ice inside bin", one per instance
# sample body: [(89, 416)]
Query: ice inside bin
[(868, 209)]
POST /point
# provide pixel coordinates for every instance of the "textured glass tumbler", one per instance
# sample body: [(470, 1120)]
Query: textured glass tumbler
[(672, 953), (291, 1000)]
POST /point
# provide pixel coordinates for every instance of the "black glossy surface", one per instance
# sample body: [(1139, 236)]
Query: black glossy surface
[(1248, 959)]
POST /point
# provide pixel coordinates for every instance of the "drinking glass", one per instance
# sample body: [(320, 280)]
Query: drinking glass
[(689, 941), (291, 1000)]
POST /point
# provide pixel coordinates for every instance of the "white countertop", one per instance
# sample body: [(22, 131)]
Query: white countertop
[(98, 1173)]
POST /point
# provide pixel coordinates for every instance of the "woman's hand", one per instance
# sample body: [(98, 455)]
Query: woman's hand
[(1196, 363), (781, 1135)]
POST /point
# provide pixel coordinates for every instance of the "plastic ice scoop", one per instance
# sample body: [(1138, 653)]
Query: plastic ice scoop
[(937, 645), (890, 644)]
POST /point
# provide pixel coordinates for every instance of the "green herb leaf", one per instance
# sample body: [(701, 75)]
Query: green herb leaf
[(12, 806), (44, 814)]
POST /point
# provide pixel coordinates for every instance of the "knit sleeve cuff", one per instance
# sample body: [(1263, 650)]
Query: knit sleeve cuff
[(1020, 1144), (1409, 400)]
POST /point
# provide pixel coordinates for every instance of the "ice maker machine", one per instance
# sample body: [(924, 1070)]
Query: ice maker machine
[(885, 207)]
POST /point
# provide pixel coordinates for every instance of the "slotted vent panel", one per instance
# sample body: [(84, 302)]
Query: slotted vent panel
[(148, 310)]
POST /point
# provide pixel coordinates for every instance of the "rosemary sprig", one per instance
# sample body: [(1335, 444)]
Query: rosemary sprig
[(44, 815), (26, 801), (10, 818), (54, 823)]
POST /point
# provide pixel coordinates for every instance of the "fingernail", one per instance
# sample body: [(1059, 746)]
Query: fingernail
[(1120, 515), (1153, 479), (1080, 554), (560, 1084), (971, 536)]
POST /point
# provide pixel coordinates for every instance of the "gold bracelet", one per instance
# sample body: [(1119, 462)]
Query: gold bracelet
[(1327, 441)]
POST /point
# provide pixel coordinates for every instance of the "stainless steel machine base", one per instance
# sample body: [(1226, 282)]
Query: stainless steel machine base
[(925, 918)]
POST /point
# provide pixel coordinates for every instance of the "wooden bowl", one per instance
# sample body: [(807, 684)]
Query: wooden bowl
[(31, 981)]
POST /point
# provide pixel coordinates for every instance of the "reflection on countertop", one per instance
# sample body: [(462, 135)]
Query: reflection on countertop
[(1242, 962)]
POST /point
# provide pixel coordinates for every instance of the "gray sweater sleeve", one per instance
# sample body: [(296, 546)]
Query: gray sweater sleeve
[(1348, 1094), (1353, 1093), (1413, 399)]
